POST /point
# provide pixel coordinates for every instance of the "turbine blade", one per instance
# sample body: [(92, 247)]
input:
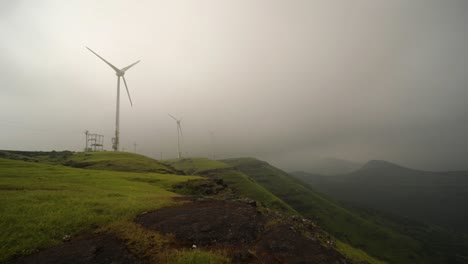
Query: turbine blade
[(129, 66), (172, 117), (108, 63), (126, 87)]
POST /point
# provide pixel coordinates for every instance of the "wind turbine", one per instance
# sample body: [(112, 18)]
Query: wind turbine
[(119, 73), (179, 134), (212, 139)]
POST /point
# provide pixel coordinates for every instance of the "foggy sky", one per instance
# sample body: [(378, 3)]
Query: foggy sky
[(284, 81)]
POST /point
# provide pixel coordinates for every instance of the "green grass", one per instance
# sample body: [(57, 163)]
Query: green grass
[(441, 245), (251, 189), (356, 255), (245, 186), (196, 257), (142, 242), (41, 203), (117, 161), (380, 242), (195, 165)]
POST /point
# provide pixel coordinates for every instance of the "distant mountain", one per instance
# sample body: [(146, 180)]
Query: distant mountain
[(434, 197)]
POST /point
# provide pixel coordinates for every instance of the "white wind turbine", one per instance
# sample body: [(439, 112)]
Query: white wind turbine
[(119, 73), (179, 135)]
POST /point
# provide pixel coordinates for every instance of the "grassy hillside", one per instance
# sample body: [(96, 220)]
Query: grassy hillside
[(438, 198), (41, 203), (439, 243), (117, 161), (381, 242), (105, 160), (195, 165), (247, 186), (242, 184)]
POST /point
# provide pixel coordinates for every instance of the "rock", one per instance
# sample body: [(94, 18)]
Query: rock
[(253, 203)]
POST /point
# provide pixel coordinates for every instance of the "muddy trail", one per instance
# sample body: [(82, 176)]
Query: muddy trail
[(239, 229)]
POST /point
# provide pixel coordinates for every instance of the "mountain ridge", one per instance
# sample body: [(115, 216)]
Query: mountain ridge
[(433, 197)]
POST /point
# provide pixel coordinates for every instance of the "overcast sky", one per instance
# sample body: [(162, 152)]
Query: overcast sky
[(282, 81)]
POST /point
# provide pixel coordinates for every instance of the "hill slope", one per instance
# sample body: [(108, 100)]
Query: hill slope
[(384, 242), (434, 197), (104, 215), (105, 160), (239, 181), (250, 187)]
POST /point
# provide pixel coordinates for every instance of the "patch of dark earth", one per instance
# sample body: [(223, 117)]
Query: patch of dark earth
[(238, 228), (201, 187), (92, 249)]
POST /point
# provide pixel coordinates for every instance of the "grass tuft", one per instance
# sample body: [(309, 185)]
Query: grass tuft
[(142, 242)]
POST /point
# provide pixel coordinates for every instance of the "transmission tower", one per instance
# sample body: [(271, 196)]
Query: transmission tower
[(94, 142)]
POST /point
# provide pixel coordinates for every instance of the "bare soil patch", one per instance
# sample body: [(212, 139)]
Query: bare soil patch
[(94, 249), (283, 244), (208, 223), (239, 228)]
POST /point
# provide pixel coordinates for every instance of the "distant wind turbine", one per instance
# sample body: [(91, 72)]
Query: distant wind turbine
[(179, 135), (212, 139), (119, 73)]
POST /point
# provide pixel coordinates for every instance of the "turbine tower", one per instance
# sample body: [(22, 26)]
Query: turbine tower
[(119, 73), (212, 139), (179, 135)]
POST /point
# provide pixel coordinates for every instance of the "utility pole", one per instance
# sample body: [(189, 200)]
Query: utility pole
[(134, 146), (86, 145)]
